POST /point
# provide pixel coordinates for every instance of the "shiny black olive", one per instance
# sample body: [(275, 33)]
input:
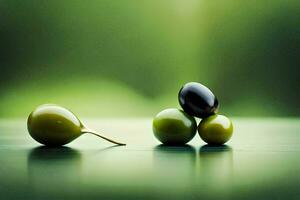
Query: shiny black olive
[(197, 100)]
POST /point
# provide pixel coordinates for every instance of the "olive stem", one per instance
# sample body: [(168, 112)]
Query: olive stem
[(98, 135)]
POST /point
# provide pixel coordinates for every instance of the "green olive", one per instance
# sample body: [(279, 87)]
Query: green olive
[(215, 129), (53, 125), (174, 127)]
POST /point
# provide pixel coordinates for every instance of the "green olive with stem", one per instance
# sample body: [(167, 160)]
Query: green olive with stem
[(53, 125), (215, 129)]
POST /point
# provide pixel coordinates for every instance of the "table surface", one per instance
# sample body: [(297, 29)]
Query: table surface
[(262, 161)]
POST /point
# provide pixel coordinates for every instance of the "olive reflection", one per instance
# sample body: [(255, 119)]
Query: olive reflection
[(215, 165), (54, 171), (174, 164)]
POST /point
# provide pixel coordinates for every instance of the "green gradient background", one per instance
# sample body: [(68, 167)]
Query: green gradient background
[(129, 58)]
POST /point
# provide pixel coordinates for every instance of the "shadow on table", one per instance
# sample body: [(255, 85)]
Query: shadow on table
[(216, 161), (44, 153), (175, 164), (53, 171), (172, 148), (215, 148), (215, 168), (208, 171)]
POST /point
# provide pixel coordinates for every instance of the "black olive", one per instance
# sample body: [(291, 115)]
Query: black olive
[(197, 100)]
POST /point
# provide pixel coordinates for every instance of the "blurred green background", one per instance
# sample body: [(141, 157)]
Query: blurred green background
[(104, 58)]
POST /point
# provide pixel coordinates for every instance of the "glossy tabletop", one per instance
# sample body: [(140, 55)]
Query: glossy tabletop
[(262, 161)]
